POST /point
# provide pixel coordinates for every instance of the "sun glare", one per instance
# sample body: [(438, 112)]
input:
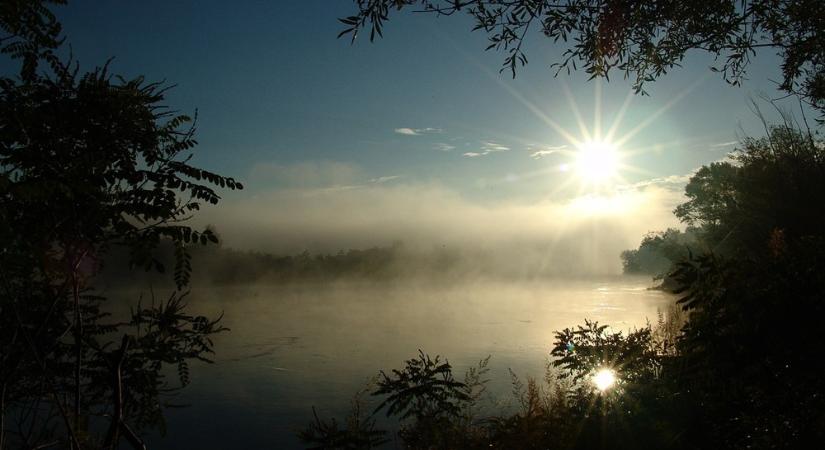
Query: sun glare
[(604, 379), (618, 203), (597, 162)]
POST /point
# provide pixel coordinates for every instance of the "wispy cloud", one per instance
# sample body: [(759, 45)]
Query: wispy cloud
[(546, 151), (441, 146), (385, 179), (417, 131), (486, 149), (490, 147), (669, 183), (724, 144)]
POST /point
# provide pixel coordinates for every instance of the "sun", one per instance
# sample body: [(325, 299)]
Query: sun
[(604, 379), (597, 162)]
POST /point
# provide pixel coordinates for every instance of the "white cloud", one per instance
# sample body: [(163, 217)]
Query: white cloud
[(490, 147), (546, 151), (441, 146), (385, 179), (486, 149), (724, 144), (417, 131), (669, 183)]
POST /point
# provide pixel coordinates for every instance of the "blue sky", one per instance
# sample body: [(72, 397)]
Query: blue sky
[(285, 106)]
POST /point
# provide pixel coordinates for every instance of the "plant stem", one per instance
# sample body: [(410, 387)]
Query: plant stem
[(78, 348)]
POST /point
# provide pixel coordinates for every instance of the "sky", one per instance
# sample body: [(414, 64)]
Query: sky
[(417, 136)]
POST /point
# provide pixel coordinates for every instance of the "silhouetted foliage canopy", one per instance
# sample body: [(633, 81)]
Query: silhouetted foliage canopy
[(88, 162), (770, 191)]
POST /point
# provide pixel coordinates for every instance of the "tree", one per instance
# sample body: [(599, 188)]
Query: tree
[(658, 251), (89, 162), (757, 290), (641, 39), (766, 196), (744, 362), (711, 194)]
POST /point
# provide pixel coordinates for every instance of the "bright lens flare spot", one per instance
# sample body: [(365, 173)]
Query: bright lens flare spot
[(597, 162), (604, 379)]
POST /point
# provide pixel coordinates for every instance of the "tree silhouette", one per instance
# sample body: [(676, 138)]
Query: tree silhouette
[(89, 162)]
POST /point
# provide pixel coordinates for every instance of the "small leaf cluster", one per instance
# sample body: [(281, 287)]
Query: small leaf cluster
[(579, 351), (425, 388)]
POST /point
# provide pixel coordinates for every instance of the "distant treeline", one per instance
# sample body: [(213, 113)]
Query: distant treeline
[(230, 266), (659, 251), (221, 265)]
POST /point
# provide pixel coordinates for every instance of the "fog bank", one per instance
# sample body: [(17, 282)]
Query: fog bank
[(583, 235)]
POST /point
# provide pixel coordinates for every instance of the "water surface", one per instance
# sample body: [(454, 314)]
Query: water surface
[(297, 346)]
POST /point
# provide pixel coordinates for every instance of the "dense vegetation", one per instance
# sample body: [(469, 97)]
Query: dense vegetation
[(658, 252), (217, 265), (89, 162)]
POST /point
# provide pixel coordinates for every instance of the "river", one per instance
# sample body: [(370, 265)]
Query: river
[(294, 347)]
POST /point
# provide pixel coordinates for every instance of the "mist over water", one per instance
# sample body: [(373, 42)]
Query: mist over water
[(298, 345), (583, 236)]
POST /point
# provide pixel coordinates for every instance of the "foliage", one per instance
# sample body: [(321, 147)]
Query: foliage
[(641, 39), (751, 205), (581, 351), (425, 388), (754, 300), (767, 194), (222, 265), (217, 265), (359, 432), (658, 251), (711, 194), (29, 31), (89, 162), (745, 352), (564, 411), (544, 416)]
